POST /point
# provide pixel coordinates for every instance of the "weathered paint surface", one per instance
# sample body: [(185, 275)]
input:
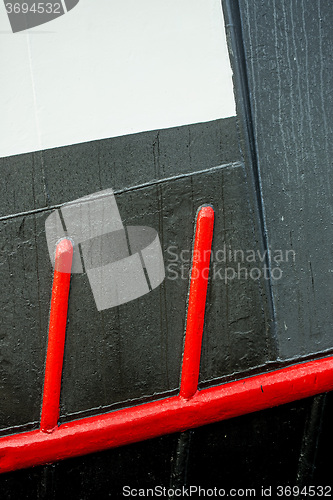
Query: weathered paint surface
[(134, 351), (287, 64), (288, 47)]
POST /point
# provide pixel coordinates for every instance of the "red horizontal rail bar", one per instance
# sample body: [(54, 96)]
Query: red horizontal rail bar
[(56, 336), (166, 416)]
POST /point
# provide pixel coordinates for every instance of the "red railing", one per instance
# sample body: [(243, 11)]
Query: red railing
[(57, 334), (191, 408)]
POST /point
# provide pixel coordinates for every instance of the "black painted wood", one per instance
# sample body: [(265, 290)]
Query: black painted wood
[(133, 352), (101, 365), (47, 178), (288, 51), (281, 58)]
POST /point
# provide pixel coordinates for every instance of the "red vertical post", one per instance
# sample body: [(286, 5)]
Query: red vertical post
[(56, 336), (197, 302)]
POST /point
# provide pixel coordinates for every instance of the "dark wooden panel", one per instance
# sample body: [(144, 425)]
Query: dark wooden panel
[(287, 46), (106, 359), (22, 184), (24, 305), (288, 50), (134, 351), (47, 178)]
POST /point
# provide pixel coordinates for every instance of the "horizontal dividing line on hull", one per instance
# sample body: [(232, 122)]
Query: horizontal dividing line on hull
[(130, 189)]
